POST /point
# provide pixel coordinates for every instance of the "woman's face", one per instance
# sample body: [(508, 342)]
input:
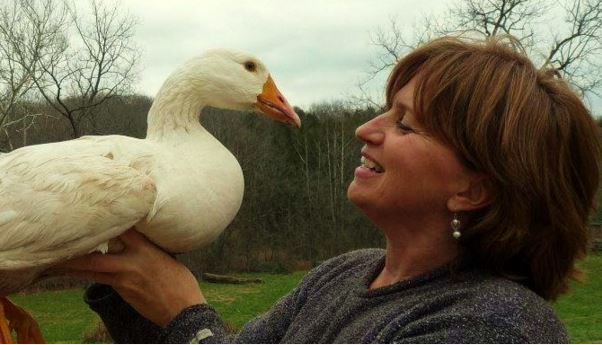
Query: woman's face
[(404, 171)]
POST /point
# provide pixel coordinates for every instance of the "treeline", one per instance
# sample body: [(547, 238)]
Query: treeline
[(295, 212), (37, 123)]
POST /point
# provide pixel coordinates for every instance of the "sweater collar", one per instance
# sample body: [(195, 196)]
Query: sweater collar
[(440, 274)]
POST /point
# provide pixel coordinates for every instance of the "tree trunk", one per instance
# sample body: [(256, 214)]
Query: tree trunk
[(221, 279)]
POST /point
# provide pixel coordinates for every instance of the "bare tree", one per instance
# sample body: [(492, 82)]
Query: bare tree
[(392, 43), (491, 18), (27, 32), (81, 78), (578, 53), (71, 61), (573, 47)]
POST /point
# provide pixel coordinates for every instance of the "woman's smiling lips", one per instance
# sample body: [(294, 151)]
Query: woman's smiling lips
[(369, 167)]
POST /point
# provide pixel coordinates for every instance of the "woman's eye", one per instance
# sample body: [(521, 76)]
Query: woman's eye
[(403, 127)]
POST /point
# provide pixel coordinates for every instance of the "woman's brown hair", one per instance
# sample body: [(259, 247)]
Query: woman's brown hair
[(534, 139)]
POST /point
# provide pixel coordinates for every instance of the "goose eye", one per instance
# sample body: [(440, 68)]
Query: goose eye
[(250, 66)]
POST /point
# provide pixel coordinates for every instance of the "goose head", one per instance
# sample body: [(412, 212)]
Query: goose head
[(234, 80)]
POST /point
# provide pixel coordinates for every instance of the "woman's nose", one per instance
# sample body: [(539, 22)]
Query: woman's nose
[(371, 132)]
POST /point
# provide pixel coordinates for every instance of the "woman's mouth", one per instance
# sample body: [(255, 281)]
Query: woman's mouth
[(370, 164), (368, 169)]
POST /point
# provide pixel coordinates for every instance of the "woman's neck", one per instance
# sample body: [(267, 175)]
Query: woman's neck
[(411, 253)]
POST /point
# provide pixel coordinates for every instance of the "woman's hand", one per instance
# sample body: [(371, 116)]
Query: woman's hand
[(152, 282)]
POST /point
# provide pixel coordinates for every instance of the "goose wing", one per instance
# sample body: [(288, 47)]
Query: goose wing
[(65, 199)]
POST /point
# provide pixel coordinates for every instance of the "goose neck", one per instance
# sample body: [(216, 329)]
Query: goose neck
[(174, 114)]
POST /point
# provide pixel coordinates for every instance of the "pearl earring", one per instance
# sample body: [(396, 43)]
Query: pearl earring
[(455, 224)]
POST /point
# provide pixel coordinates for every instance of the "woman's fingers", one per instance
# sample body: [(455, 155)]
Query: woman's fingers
[(135, 241), (131, 237), (122, 261), (108, 263)]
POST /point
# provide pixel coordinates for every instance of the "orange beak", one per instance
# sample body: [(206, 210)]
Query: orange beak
[(272, 103)]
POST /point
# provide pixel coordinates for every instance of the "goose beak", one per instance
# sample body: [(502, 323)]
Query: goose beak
[(272, 103)]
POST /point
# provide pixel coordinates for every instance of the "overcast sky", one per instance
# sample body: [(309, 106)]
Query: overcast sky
[(316, 50)]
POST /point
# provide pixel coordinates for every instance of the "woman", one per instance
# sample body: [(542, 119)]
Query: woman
[(481, 174)]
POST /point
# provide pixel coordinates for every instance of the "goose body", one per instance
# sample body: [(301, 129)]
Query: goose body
[(179, 186)]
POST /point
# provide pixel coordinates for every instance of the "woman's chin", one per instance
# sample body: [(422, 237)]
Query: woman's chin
[(355, 194)]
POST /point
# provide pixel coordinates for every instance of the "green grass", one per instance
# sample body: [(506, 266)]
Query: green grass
[(238, 304), (64, 317), (581, 309)]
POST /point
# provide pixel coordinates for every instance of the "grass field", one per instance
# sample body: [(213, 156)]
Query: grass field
[(64, 317), (581, 309)]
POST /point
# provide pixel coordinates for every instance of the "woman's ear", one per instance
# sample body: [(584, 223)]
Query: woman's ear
[(477, 193)]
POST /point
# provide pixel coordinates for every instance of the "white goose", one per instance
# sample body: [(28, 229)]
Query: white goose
[(180, 186)]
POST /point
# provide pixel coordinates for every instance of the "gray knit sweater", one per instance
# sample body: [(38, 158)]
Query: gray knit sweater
[(334, 305)]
